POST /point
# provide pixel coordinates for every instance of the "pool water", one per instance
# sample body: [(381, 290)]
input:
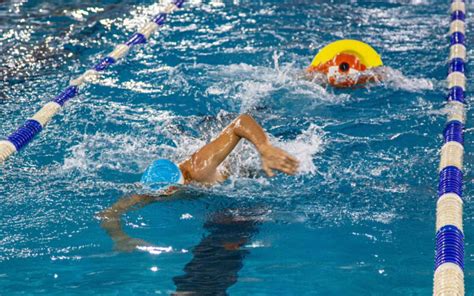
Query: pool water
[(359, 217)]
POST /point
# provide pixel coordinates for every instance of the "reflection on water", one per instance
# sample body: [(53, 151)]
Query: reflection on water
[(220, 254)]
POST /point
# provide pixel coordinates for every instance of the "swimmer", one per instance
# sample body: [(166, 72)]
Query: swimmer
[(163, 177), (346, 63)]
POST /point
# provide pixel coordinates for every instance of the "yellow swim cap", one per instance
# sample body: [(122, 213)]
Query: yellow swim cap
[(364, 52)]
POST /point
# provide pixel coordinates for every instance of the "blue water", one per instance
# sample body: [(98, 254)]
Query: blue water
[(358, 219)]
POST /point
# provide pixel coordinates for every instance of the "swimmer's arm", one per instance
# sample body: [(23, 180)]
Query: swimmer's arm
[(205, 161), (111, 220)]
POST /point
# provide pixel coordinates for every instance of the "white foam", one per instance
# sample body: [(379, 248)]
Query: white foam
[(249, 85), (305, 146), (116, 152), (394, 79)]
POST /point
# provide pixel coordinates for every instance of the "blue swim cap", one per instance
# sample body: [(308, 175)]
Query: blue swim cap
[(162, 173)]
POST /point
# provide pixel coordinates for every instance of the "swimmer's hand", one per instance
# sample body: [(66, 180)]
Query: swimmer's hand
[(274, 158), (128, 244)]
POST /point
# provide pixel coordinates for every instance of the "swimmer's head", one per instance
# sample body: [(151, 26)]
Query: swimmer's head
[(162, 174), (345, 63), (346, 70)]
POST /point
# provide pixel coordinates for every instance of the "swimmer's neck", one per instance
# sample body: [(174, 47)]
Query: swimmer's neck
[(208, 179)]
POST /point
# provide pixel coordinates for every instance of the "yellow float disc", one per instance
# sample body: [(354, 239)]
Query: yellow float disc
[(366, 54)]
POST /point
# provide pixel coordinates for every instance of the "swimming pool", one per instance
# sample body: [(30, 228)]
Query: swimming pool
[(357, 220)]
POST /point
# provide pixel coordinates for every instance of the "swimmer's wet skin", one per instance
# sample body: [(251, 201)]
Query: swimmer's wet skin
[(202, 167), (346, 63)]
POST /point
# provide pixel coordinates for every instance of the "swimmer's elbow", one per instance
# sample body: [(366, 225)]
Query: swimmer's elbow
[(244, 117), (107, 214), (243, 120), (114, 212)]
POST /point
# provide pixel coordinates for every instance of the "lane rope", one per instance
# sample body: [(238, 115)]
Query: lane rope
[(33, 126), (449, 254)]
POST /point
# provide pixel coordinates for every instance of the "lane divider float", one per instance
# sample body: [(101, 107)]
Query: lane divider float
[(33, 126), (449, 254)]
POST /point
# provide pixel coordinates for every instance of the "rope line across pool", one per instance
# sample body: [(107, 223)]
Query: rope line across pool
[(25, 134), (449, 254)]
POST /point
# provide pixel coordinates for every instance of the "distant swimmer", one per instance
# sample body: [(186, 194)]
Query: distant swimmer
[(163, 177), (346, 63)]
